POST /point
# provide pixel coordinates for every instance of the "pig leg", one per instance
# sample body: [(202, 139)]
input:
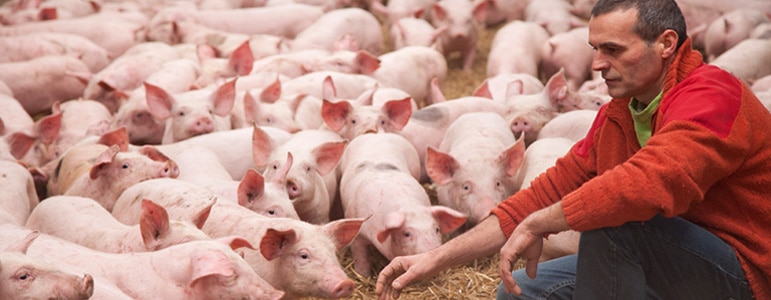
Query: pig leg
[(361, 263)]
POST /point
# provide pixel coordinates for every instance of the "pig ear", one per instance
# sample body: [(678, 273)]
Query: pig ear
[(153, 223), (399, 112), (328, 90), (241, 60), (23, 244), (480, 10), (159, 102), (235, 242), (209, 263), (117, 137), (393, 221), (20, 144), (251, 188), (272, 92), (251, 107), (439, 12), (448, 219), (280, 175), (513, 156), (48, 128), (440, 166), (366, 97), (104, 160), (262, 146), (369, 63), (514, 88), (200, 218), (274, 242), (343, 231), (557, 88), (224, 98), (483, 90), (335, 114), (153, 153), (328, 155)]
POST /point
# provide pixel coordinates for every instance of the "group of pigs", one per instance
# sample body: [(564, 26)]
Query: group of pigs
[(231, 149)]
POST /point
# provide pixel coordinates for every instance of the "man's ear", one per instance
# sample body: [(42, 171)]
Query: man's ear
[(667, 43)]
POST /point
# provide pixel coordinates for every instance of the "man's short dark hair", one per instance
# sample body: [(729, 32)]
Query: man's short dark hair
[(653, 17)]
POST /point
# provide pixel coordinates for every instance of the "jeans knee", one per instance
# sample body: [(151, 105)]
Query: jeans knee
[(541, 287)]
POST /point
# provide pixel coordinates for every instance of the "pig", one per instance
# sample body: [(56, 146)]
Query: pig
[(194, 270), (30, 46), (423, 64), (74, 219), (346, 61), (39, 82), (311, 181), (191, 113), (283, 20), (14, 116), (381, 186), (498, 86), (291, 64), (516, 49), (112, 84), (474, 166), (398, 9), (200, 166), (115, 36), (269, 110), (554, 15), (735, 60), (353, 22), (38, 147), (345, 85), (215, 70), (428, 125), (730, 29), (80, 118), (582, 8), (412, 31), (570, 51), (573, 125), (18, 196), (234, 148), (174, 76), (539, 156), (27, 278), (296, 257), (102, 173), (504, 11), (354, 118), (462, 19)]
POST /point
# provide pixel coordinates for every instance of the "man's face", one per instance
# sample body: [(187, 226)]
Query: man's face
[(630, 66)]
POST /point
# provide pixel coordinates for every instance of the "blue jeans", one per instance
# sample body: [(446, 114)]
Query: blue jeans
[(657, 259)]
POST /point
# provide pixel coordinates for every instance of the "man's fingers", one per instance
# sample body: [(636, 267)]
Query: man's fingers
[(531, 266)]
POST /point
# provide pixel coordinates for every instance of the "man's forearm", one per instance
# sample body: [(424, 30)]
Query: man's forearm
[(484, 239)]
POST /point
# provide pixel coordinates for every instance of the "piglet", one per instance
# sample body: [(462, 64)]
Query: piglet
[(380, 185), (75, 219), (515, 49), (460, 20), (27, 278), (18, 196), (338, 25), (473, 167)]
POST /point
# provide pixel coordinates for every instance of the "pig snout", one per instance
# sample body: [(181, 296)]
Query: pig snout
[(520, 126), (87, 287), (169, 169), (203, 125), (343, 289), (293, 189)]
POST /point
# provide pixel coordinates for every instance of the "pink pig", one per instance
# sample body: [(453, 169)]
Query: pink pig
[(193, 270), (573, 125), (27, 278), (296, 257), (354, 23), (735, 60), (102, 173), (191, 113), (424, 65), (311, 181), (29, 46), (516, 49), (18, 196), (74, 219), (460, 21), (474, 166), (730, 29), (554, 15), (353, 118), (411, 31), (382, 186), (39, 82), (570, 51)]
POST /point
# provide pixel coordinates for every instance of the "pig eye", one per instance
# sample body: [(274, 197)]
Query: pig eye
[(382, 122), (23, 276), (125, 166), (307, 168), (272, 212), (437, 230), (181, 113), (305, 255), (275, 167), (497, 184), (353, 122), (466, 187), (407, 234)]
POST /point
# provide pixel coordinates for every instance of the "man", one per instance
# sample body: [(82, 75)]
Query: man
[(670, 188)]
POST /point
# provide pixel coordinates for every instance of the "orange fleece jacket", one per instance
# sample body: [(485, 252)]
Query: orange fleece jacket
[(708, 161)]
